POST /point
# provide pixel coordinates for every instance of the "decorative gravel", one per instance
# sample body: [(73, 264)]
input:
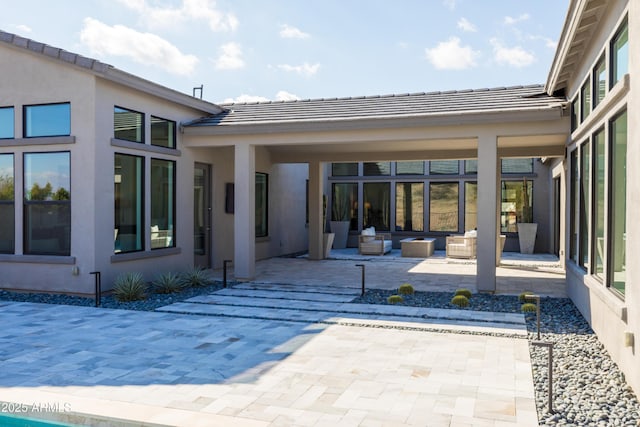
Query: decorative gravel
[(588, 387)]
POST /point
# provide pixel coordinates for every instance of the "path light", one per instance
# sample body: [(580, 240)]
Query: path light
[(362, 265)]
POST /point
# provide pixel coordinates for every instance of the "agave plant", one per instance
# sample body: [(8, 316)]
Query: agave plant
[(167, 283), (130, 287), (196, 277)]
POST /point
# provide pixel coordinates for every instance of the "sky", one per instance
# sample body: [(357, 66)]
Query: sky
[(261, 50)]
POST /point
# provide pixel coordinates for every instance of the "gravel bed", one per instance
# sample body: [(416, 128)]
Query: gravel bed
[(588, 387)]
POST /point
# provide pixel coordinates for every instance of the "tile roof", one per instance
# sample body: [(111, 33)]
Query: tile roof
[(517, 98), (54, 52)]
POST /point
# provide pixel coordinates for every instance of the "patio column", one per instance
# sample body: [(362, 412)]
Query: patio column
[(488, 176), (244, 219), (316, 227)]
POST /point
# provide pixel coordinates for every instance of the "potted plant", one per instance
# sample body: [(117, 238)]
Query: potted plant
[(340, 217), (327, 240), (527, 229)]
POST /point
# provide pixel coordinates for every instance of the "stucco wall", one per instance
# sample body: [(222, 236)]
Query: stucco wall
[(609, 315)]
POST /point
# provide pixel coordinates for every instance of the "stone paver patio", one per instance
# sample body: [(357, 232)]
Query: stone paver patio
[(270, 355)]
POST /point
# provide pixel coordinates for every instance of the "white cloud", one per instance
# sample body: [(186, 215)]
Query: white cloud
[(286, 96), (230, 57), (304, 69), (512, 56), (144, 48), (25, 29), (450, 55), (289, 32), (451, 4), (244, 98), (465, 25), (509, 20), (189, 10)]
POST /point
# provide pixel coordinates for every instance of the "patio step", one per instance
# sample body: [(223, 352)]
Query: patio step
[(299, 307), (290, 287)]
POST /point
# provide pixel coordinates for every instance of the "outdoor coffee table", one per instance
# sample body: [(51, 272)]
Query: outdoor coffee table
[(417, 247)]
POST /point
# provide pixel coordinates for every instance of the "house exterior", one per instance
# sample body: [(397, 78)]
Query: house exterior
[(595, 66), (103, 171)]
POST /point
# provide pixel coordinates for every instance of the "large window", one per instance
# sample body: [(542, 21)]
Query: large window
[(47, 203), (410, 206), (470, 205), (620, 54), (163, 205), (585, 203), (377, 205), (262, 204), (575, 207), (517, 166), (618, 173), (575, 113), (516, 205), (443, 167), (163, 132), (585, 101), (344, 203), (599, 203), (599, 81), (443, 206), (376, 168), (129, 203), (344, 169), (47, 120), (7, 201), (6, 122), (128, 125), (410, 168)]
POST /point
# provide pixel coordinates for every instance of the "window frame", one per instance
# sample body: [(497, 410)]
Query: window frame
[(613, 53), (585, 99), (413, 229), (333, 169), (12, 203), (431, 200), (142, 125), (595, 90), (264, 232), (171, 225), (612, 183), (29, 202), (171, 137), (142, 205), (13, 122), (25, 118)]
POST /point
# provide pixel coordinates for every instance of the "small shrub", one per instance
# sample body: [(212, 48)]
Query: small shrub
[(129, 287), (460, 300), (196, 277), (464, 292), (167, 283), (394, 299), (528, 308), (523, 296), (406, 289)]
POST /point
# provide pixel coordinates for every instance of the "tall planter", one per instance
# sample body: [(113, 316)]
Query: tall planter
[(327, 241), (341, 230), (527, 236)]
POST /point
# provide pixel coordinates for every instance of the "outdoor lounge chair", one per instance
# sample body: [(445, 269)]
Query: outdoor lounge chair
[(370, 243), (462, 246)]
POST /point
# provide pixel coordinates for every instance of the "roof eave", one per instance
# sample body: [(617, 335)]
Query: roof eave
[(553, 111)]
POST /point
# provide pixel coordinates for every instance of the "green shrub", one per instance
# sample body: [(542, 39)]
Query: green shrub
[(406, 289), (167, 283), (523, 296), (196, 277), (394, 299), (528, 308), (460, 300), (129, 287), (464, 292)]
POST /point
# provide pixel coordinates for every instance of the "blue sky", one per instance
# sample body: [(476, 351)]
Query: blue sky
[(250, 50)]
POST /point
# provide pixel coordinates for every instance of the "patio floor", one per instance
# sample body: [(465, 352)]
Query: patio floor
[(287, 349)]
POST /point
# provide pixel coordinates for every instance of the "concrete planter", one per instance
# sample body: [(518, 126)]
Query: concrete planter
[(341, 230), (327, 241), (527, 236)]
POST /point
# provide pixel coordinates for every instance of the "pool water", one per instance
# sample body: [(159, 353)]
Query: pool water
[(7, 420)]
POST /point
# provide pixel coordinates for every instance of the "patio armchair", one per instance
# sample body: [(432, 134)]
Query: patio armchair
[(371, 243), (462, 246)]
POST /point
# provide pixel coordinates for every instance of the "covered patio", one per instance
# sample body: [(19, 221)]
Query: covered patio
[(486, 125)]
